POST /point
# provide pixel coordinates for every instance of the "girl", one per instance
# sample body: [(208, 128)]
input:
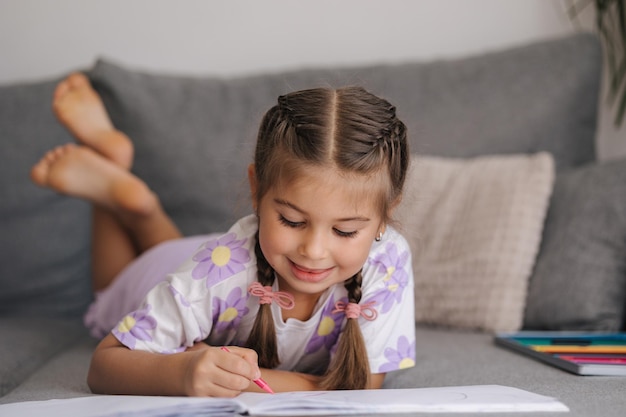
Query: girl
[(313, 291)]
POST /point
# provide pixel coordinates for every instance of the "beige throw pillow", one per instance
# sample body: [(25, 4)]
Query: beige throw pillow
[(474, 226)]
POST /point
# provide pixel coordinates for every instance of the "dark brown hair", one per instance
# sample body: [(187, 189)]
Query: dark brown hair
[(353, 132)]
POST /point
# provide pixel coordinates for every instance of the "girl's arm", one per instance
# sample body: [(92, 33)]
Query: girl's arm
[(279, 381), (116, 369), (285, 381), (282, 381), (376, 381)]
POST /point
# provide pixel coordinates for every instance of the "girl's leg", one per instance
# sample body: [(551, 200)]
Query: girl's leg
[(111, 248), (114, 245), (129, 219), (79, 108)]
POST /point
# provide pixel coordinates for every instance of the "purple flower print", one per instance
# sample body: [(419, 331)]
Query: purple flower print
[(228, 313), (396, 279), (400, 358), (137, 325), (327, 330), (220, 258)]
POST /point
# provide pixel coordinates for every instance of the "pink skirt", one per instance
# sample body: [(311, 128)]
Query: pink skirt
[(130, 287)]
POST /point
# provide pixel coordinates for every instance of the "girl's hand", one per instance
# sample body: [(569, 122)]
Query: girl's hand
[(211, 371)]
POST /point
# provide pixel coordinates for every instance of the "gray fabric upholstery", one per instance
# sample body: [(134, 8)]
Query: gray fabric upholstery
[(449, 358), (44, 243), (64, 376), (579, 281), (194, 136), (28, 343)]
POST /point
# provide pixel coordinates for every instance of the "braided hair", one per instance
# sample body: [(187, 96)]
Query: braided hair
[(352, 131)]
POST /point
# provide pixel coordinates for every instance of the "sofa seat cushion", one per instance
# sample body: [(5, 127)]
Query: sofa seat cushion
[(28, 343), (452, 357), (444, 358)]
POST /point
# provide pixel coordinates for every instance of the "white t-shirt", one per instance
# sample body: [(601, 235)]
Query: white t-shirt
[(206, 299)]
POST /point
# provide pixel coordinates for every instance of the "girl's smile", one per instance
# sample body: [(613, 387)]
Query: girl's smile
[(310, 275)]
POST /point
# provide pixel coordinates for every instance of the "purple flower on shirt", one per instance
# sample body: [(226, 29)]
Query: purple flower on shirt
[(137, 325), (393, 265), (400, 358), (328, 329), (227, 313), (220, 258)]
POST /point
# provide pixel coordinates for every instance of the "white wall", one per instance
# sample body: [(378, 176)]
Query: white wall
[(40, 38)]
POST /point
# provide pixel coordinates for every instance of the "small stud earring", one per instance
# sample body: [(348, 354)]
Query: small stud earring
[(379, 237)]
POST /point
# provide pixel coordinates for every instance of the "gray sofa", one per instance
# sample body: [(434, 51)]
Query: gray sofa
[(540, 97)]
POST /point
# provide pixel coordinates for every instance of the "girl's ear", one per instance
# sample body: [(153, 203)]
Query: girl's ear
[(253, 186), (390, 211), (393, 207)]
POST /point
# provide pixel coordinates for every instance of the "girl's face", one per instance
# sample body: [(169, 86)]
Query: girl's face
[(318, 230)]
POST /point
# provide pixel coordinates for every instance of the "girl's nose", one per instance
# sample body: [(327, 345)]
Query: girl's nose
[(313, 246)]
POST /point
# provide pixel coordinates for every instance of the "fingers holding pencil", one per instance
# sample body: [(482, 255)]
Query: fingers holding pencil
[(250, 356), (210, 371)]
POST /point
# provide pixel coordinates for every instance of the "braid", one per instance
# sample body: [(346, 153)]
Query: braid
[(262, 337), (392, 147), (353, 285), (350, 366)]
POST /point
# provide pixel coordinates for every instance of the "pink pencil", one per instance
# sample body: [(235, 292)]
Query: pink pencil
[(600, 360), (262, 384)]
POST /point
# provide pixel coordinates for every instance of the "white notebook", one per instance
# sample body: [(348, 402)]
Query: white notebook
[(478, 398)]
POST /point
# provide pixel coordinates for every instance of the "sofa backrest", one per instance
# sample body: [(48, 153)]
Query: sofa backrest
[(194, 138), (44, 238)]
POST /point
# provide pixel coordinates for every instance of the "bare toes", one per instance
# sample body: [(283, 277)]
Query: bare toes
[(60, 90), (41, 170), (78, 80)]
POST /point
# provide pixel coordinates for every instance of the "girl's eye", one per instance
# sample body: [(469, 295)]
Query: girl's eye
[(341, 233), (289, 223), (296, 225)]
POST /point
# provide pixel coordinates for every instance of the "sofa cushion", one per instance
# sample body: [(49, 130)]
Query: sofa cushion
[(443, 358), (579, 282), (474, 226), (44, 243), (28, 343), (194, 135)]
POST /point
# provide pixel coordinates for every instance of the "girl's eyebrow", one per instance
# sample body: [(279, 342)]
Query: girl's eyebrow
[(285, 203)]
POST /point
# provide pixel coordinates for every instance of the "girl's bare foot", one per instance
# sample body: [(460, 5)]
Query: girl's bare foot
[(79, 171), (79, 108)]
